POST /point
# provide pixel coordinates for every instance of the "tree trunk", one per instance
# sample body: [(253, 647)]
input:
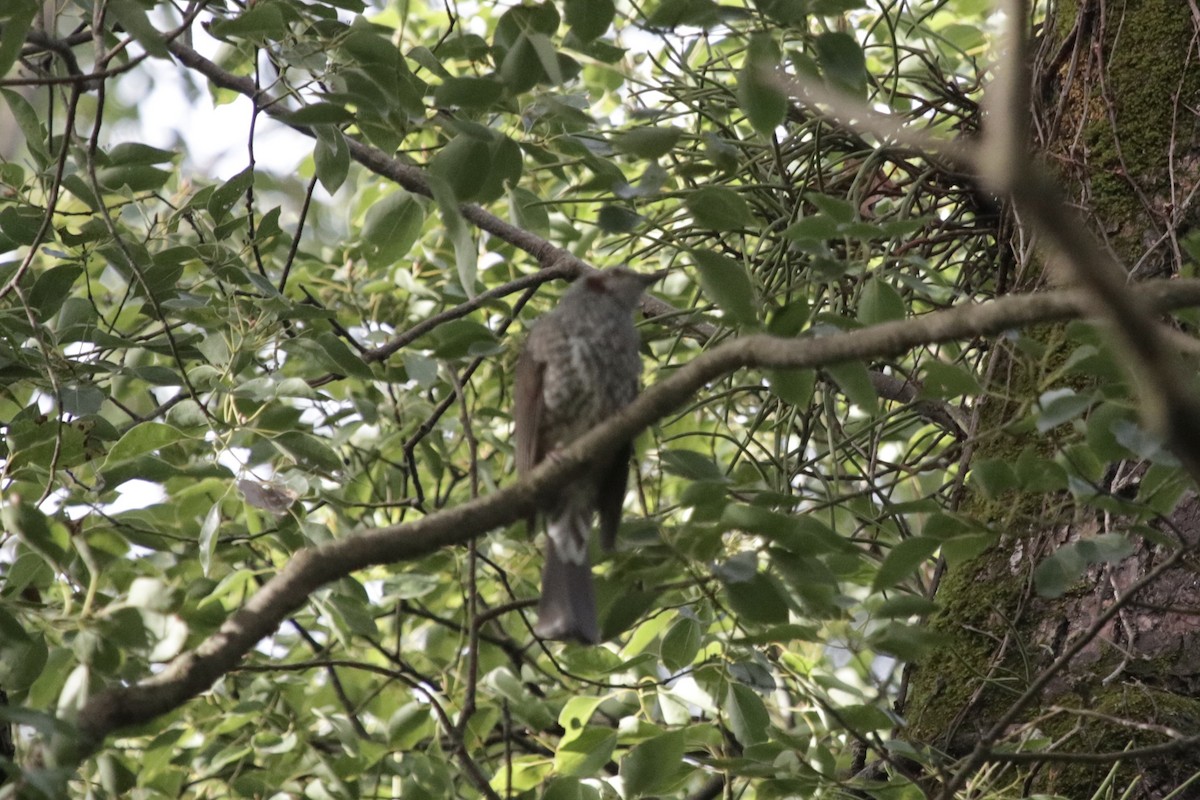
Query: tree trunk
[(1116, 87)]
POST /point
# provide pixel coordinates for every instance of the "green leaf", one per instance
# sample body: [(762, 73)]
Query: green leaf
[(21, 224), (707, 499), (760, 600), (961, 549), (790, 319), (905, 605), (382, 92), (464, 164), (964, 37), (842, 62), (1143, 443), (880, 303), (462, 338), (17, 18), (862, 718), (1060, 405), (719, 209), (948, 380), (521, 68), (506, 166), (837, 209), (673, 13), (853, 379), (994, 476), (681, 644), (391, 227), (341, 358), (586, 754), (1100, 435), (652, 765), (589, 19), (784, 12), (794, 386), (29, 121), (765, 103), (576, 714), (428, 59), (12, 635), (690, 464), (421, 369), (827, 537), (941, 525), (815, 228), (748, 718), (411, 585), (1055, 575), (320, 113), (309, 451), (143, 438), (726, 283), (647, 142), (82, 400), (538, 17), (721, 153), (83, 191), (528, 210), (34, 529), (228, 193), (616, 219), (906, 642), (568, 788), (466, 251), (903, 560), (135, 177), (331, 157), (629, 607), (834, 8), (1076, 461), (1162, 487), (53, 287), (261, 23), (787, 530), (130, 153), (22, 656), (468, 92), (133, 18)]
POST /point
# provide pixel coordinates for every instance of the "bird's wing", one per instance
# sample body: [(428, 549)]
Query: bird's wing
[(527, 408), (610, 497)]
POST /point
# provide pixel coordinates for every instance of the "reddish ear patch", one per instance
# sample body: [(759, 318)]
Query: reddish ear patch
[(595, 283)]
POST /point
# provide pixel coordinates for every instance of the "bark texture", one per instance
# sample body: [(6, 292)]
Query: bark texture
[(1115, 90)]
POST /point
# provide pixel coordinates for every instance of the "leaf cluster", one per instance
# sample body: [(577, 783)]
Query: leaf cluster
[(202, 376)]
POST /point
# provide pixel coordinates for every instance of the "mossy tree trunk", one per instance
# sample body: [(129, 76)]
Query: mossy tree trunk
[(1116, 92)]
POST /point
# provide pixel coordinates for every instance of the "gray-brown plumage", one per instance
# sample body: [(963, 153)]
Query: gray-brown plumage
[(579, 365)]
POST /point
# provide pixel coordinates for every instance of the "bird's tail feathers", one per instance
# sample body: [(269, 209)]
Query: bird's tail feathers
[(567, 608)]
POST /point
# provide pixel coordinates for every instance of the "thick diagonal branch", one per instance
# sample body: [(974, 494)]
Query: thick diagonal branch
[(192, 673)]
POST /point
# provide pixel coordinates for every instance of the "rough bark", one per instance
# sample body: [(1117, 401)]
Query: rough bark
[(1114, 93)]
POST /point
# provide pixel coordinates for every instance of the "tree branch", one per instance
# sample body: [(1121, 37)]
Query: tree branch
[(192, 673), (549, 256)]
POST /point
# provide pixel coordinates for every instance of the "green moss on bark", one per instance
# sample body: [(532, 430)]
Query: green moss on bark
[(1101, 731), (1133, 112)]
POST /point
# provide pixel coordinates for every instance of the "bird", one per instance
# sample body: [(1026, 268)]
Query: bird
[(579, 365)]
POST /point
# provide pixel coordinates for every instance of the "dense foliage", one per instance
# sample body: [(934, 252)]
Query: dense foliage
[(204, 373)]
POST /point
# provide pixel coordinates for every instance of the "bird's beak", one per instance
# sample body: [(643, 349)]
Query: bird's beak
[(655, 277)]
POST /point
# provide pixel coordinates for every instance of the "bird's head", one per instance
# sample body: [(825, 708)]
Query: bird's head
[(621, 284)]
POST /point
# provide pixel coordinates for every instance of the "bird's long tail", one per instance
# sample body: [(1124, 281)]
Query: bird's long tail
[(567, 608)]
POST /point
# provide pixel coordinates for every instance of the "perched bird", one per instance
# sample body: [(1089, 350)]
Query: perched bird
[(579, 365)]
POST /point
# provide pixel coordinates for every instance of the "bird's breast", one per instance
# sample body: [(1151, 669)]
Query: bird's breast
[(586, 380)]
